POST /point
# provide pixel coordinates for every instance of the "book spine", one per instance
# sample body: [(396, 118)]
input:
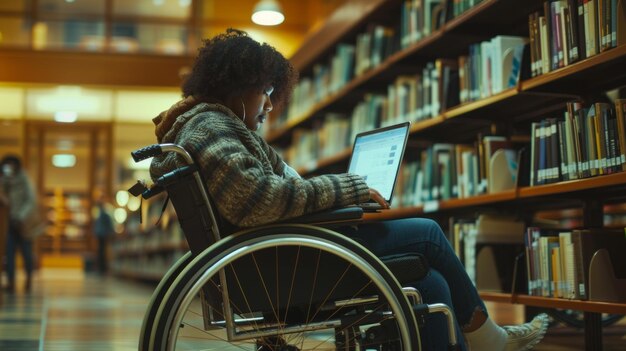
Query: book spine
[(581, 290), (620, 117), (580, 14)]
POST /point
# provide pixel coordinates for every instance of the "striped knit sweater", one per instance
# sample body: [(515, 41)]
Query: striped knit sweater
[(245, 177)]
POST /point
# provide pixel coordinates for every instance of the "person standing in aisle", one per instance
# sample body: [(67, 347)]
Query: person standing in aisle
[(102, 229), (229, 93), (22, 202)]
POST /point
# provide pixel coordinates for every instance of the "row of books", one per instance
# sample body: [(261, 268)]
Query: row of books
[(570, 30), (326, 139), (409, 98), (587, 141), (422, 95), (336, 132), (558, 263), (370, 48), (449, 171), (491, 67), (326, 80), (373, 46), (420, 18)]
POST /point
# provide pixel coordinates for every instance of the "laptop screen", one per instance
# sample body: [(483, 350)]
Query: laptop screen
[(377, 154)]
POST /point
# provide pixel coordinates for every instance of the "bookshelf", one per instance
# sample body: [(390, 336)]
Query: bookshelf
[(531, 99), (151, 242), (68, 223), (528, 100), (537, 301)]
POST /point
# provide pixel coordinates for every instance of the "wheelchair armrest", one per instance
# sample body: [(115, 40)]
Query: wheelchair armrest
[(407, 267), (333, 217)]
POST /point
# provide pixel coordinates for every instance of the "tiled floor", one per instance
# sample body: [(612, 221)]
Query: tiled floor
[(70, 311)]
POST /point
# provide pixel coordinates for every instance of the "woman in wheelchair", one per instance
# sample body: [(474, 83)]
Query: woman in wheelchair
[(235, 82)]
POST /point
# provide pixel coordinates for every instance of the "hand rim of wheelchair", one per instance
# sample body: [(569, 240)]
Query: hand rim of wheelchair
[(200, 270)]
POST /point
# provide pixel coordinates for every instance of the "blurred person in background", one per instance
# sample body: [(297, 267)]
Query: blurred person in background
[(22, 203), (103, 230)]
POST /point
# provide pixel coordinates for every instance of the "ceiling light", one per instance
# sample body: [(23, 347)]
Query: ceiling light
[(268, 13)]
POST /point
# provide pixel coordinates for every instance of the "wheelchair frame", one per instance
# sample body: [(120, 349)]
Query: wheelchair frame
[(210, 254)]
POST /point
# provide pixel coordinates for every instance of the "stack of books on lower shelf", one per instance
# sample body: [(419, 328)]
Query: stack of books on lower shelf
[(583, 264)]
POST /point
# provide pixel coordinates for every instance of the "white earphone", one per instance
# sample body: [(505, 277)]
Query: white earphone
[(243, 119)]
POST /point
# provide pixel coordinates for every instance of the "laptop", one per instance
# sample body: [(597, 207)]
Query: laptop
[(376, 156)]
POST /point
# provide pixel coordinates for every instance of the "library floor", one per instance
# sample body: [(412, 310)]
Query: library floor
[(70, 311)]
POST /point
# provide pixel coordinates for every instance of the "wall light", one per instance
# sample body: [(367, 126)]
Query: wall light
[(65, 116), (63, 160), (268, 13), (122, 197)]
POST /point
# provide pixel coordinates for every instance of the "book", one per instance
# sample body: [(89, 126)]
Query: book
[(571, 19), (580, 21), (449, 91), (568, 268), (506, 56), (620, 118), (620, 23)]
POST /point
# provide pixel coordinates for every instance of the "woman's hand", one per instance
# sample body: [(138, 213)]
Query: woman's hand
[(375, 195)]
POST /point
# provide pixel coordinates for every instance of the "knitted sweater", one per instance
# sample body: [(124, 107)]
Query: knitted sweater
[(244, 176)]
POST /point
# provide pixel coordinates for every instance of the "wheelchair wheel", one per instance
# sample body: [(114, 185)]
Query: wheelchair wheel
[(289, 287), (157, 298)]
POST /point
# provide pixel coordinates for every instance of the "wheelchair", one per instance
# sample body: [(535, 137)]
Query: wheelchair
[(288, 286)]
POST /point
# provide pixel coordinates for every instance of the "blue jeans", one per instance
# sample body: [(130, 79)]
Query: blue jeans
[(434, 289), (447, 282), (15, 240)]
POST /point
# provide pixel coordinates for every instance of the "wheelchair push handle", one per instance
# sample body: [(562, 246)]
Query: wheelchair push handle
[(146, 152)]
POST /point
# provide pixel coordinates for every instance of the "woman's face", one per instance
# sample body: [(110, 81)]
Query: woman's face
[(254, 107)]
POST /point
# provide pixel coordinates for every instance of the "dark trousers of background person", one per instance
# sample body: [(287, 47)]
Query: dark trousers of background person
[(102, 255), (15, 240)]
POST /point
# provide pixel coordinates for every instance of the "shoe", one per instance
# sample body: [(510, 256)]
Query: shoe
[(526, 336)]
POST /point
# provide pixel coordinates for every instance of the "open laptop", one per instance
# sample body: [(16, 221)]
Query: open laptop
[(376, 156)]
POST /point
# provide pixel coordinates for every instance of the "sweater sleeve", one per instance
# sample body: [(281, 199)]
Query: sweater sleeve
[(246, 194), (278, 165)]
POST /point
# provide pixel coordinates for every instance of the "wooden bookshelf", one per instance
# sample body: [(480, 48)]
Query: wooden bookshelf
[(549, 302), (529, 101), (612, 183), (609, 182), (608, 64)]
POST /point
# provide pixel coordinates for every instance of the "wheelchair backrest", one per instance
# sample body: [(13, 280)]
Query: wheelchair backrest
[(196, 212)]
